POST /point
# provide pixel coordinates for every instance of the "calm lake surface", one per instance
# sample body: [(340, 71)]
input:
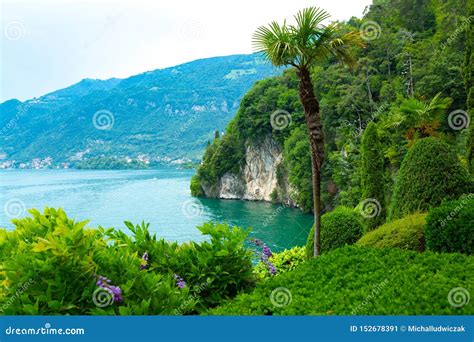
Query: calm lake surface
[(160, 197)]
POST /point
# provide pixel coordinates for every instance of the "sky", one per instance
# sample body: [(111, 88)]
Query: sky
[(50, 44)]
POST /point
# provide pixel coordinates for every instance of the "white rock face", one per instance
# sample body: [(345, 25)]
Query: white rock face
[(257, 178)]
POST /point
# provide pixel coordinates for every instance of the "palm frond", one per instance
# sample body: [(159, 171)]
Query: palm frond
[(275, 43)]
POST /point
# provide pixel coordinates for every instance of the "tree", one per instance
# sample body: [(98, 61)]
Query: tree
[(302, 46), (469, 84), (372, 173)]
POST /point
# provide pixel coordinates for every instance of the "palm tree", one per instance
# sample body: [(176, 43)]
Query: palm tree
[(301, 46)]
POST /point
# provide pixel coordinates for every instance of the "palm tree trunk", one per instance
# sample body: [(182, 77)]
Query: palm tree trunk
[(316, 141)]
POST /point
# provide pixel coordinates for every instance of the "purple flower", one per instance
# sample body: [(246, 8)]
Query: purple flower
[(115, 291), (271, 268), (179, 281), (266, 251), (144, 263)]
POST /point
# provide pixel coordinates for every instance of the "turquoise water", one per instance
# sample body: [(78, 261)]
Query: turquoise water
[(160, 197)]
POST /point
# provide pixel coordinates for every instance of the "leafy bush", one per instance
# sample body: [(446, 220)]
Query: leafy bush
[(196, 188), (51, 265), (340, 227), (284, 261), (449, 227), (297, 159), (372, 173), (430, 173), (362, 281), (406, 233)]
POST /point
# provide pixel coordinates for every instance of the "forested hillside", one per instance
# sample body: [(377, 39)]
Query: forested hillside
[(162, 114), (411, 81)]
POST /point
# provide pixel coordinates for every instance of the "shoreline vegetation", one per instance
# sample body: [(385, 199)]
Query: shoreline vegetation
[(381, 153)]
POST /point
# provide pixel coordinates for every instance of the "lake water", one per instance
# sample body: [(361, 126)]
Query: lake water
[(160, 197)]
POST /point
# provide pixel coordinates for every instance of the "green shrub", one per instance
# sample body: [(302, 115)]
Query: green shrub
[(430, 173), (406, 233), (50, 265), (196, 188), (449, 227), (218, 268), (284, 261), (372, 173), (362, 281), (340, 227)]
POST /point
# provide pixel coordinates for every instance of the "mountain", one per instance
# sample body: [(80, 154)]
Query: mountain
[(163, 114)]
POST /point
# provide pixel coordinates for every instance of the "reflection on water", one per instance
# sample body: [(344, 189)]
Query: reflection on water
[(160, 197)]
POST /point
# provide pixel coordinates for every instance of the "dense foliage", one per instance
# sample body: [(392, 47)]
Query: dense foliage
[(430, 173), (449, 227), (55, 264), (109, 163), (407, 81), (340, 227), (372, 173), (406, 233), (287, 260), (362, 281)]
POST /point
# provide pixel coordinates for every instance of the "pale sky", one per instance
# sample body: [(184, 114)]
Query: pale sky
[(50, 44)]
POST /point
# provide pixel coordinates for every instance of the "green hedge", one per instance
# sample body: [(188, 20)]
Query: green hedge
[(450, 227), (430, 173), (406, 233), (372, 173), (340, 227), (363, 281)]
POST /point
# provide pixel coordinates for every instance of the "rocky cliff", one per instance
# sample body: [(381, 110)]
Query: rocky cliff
[(260, 178)]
